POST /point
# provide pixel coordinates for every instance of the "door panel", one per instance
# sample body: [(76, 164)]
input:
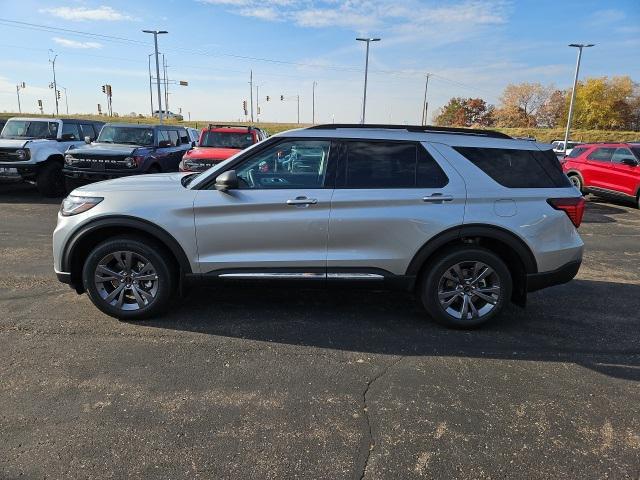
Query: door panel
[(598, 168), (262, 229), (626, 178), (382, 228)]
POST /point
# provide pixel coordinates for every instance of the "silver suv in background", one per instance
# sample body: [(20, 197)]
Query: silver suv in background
[(32, 149), (468, 220)]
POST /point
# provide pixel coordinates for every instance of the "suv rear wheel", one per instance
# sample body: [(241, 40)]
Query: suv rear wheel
[(576, 181), (466, 287), (128, 278)]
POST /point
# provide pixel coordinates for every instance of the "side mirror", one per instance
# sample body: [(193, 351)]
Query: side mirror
[(227, 181), (632, 162), (87, 140), (165, 143)]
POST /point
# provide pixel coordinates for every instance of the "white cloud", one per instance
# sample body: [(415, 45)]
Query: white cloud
[(102, 13), (65, 42)]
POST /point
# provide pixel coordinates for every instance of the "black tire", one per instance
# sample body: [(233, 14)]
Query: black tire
[(50, 180), (149, 250), (576, 181), (154, 169), (433, 278)]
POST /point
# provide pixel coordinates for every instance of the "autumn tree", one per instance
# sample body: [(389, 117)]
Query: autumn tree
[(522, 103), (551, 113), (605, 103), (465, 112)]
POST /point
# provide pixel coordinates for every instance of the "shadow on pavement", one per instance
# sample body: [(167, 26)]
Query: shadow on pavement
[(26, 193), (600, 212), (592, 323)]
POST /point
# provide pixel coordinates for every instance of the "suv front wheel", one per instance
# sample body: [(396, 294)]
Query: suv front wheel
[(128, 278), (465, 287)]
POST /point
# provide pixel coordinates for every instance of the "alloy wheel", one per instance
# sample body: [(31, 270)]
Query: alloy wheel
[(126, 280), (469, 290)]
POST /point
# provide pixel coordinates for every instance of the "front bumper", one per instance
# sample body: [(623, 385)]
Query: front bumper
[(564, 274), (95, 176)]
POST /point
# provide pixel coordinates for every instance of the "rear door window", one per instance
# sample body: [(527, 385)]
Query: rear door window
[(173, 137), (621, 153), (576, 152), (514, 168), (70, 131), (602, 154), (163, 136), (376, 165)]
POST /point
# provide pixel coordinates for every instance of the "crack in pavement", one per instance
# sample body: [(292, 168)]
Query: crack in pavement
[(368, 443)]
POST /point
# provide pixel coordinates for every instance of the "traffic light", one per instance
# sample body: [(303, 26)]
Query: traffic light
[(99, 109), (40, 103), (268, 98), (282, 98), (104, 89), (58, 94), (244, 106)]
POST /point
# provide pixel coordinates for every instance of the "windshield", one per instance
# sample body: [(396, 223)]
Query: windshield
[(226, 140), (126, 135), (30, 129)]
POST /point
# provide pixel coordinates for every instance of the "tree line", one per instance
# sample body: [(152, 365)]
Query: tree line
[(601, 103)]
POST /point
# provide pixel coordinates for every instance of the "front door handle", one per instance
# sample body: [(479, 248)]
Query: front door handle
[(437, 198), (302, 201)]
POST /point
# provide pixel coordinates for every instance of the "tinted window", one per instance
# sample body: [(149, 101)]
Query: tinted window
[(29, 129), (518, 168), (184, 136), (290, 164), (87, 131), (601, 154), (173, 137), (621, 153), (390, 165), (636, 150), (576, 152), (222, 139), (163, 136), (71, 131), (126, 135)]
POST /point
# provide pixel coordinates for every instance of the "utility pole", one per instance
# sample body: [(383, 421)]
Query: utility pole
[(19, 87), (251, 92), (366, 72), (155, 41), (150, 83), (166, 86), (55, 85), (66, 99), (313, 103), (425, 105), (579, 46), (257, 103)]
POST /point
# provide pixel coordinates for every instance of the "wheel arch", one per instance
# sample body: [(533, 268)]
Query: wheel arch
[(509, 247), (92, 233)]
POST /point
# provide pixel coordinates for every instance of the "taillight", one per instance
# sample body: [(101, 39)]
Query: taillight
[(573, 207)]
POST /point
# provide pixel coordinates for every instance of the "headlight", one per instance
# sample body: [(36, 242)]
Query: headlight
[(69, 159), (73, 205), (130, 162), (23, 153)]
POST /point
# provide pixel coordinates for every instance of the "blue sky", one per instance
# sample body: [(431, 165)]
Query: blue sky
[(473, 48)]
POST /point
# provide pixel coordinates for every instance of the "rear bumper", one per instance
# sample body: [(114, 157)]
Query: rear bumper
[(564, 274)]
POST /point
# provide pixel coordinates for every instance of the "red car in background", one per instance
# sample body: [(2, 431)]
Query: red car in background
[(606, 169), (217, 143)]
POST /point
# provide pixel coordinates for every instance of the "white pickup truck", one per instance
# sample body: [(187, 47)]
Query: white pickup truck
[(32, 149)]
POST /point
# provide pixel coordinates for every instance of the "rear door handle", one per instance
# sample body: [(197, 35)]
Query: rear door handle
[(302, 201), (437, 198)]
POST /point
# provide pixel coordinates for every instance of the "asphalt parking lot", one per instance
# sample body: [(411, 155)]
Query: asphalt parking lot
[(280, 383)]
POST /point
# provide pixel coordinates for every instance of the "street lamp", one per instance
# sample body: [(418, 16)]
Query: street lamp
[(55, 85), (366, 71), (19, 87), (155, 41), (579, 46)]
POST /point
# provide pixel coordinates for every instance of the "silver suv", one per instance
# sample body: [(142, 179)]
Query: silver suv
[(466, 219)]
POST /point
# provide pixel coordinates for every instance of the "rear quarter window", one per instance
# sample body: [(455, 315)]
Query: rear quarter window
[(514, 168), (576, 152)]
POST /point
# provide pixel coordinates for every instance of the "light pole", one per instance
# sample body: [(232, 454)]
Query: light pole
[(366, 72), (155, 41), (55, 85), (251, 92), (19, 87), (425, 105), (313, 103), (579, 46), (150, 83)]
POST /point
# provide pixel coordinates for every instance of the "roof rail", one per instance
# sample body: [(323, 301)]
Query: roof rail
[(248, 127), (415, 128)]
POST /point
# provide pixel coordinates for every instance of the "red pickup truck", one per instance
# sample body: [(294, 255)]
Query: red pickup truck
[(217, 143)]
